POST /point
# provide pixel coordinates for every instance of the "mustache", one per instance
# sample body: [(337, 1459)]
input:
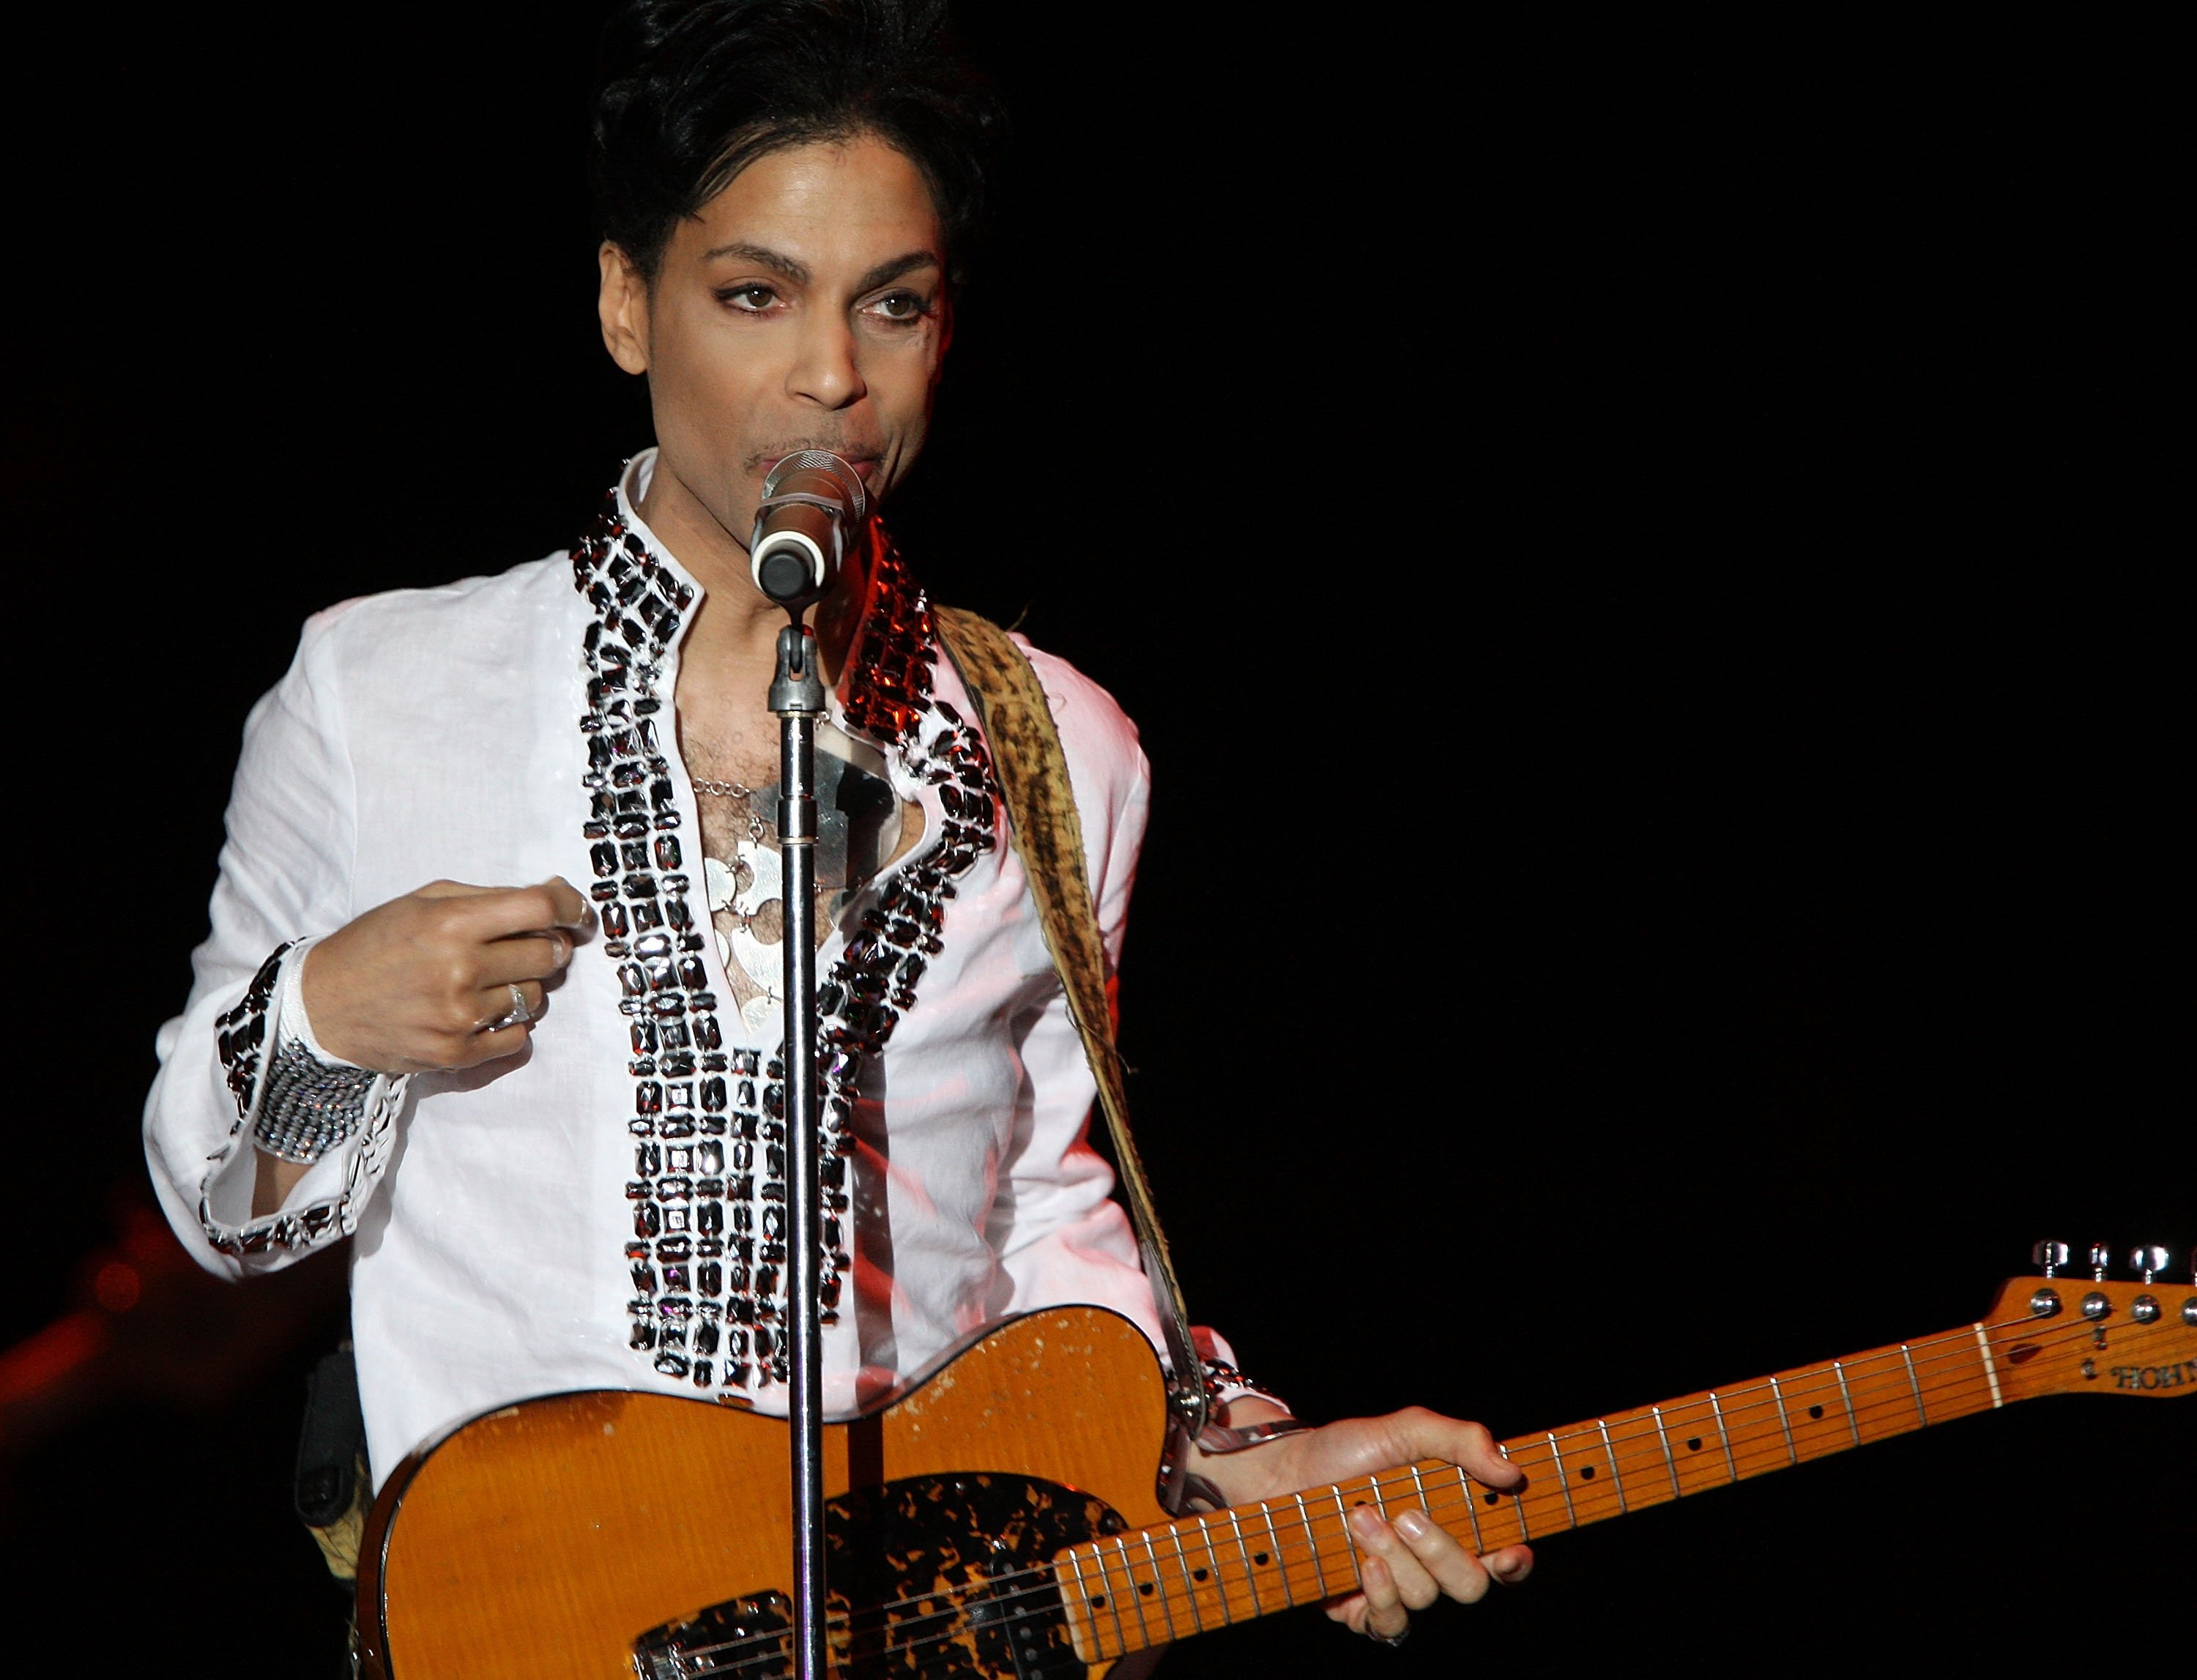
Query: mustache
[(850, 453)]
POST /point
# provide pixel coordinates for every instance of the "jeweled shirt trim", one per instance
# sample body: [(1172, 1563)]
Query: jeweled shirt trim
[(707, 1253)]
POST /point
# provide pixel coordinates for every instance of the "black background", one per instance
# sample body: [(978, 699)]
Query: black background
[(1748, 663)]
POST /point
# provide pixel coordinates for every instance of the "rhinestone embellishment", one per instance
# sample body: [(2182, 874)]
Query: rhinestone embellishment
[(707, 1254)]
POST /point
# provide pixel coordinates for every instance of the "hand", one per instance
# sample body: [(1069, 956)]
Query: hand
[(419, 983), (1402, 1566)]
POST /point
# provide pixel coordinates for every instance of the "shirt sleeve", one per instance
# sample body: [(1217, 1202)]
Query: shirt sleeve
[(285, 877)]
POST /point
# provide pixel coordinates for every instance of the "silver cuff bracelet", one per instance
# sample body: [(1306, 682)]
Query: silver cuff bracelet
[(309, 1108)]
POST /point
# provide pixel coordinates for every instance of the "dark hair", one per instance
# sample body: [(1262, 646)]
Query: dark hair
[(691, 92)]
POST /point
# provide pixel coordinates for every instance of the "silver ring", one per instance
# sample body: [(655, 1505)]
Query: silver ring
[(1391, 1640), (519, 1015)]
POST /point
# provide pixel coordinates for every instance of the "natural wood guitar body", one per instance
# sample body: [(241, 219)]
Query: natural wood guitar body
[(537, 1542)]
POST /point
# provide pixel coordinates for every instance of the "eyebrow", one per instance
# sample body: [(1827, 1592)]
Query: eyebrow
[(893, 268)]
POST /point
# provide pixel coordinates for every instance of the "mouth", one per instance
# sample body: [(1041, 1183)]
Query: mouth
[(865, 466)]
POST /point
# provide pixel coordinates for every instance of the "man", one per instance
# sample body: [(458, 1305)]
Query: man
[(551, 1118)]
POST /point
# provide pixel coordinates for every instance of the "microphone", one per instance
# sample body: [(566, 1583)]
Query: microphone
[(813, 503)]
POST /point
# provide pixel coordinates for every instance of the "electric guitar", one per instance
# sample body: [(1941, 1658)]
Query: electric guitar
[(997, 1518)]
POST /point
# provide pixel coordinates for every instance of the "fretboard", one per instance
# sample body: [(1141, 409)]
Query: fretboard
[(1138, 1590)]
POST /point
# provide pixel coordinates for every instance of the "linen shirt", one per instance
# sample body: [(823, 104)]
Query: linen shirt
[(426, 734)]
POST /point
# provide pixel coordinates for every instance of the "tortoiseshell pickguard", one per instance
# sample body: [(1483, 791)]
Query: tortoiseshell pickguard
[(933, 1578)]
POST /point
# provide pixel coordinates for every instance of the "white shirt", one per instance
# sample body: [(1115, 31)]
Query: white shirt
[(434, 733)]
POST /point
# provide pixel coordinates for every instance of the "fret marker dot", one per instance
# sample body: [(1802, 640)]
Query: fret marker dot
[(1491, 1497), (1586, 1472), (1097, 1603), (1815, 1411), (1197, 1574), (1145, 1587), (1693, 1443), (1259, 1558)]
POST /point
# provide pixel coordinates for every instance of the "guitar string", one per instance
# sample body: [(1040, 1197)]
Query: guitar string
[(1893, 1394), (1892, 1397), (1292, 1585), (1402, 1483)]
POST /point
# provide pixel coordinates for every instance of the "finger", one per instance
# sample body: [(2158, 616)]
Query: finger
[(504, 1005), (1511, 1565), (1378, 1608), (1417, 1433), (503, 911), (1409, 1582), (493, 1042), (572, 910), (525, 956), (1455, 1572), (453, 889)]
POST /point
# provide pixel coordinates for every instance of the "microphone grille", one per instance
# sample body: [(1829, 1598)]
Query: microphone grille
[(822, 460)]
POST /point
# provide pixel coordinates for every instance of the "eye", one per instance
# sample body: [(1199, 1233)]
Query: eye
[(902, 306), (751, 298)]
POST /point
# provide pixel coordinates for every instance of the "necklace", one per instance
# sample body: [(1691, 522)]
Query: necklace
[(722, 789)]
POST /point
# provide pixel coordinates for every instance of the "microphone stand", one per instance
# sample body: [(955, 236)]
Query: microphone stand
[(796, 695)]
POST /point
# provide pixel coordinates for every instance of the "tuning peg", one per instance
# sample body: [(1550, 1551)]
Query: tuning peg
[(2050, 1257), (2149, 1261), (2101, 1262)]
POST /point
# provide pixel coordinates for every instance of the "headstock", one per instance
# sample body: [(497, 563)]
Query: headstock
[(2058, 1334)]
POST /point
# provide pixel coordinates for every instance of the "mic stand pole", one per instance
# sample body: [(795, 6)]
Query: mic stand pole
[(796, 695)]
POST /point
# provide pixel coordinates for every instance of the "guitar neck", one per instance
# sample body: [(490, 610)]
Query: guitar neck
[(1147, 1588)]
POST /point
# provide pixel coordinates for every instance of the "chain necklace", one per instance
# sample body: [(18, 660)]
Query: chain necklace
[(722, 789)]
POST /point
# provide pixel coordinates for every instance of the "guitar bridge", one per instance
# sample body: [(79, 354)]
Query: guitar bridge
[(744, 1635)]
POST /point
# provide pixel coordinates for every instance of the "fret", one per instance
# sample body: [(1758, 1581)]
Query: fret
[(1670, 1465), (1616, 1476), (1246, 1600), (1159, 1585), (1784, 1421), (1517, 1496), (1250, 1580), (1190, 1577), (1906, 1354), (1991, 1367), (1419, 1487), (1111, 1600), (1312, 1542), (1081, 1617), (1563, 1480), (1471, 1510), (1246, 1595), (1136, 1598), (1349, 1535), (1717, 1406), (1278, 1552), (1853, 1424)]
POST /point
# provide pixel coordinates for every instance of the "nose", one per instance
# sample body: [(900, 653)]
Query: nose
[(826, 369)]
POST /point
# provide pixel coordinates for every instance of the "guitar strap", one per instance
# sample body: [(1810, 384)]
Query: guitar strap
[(1047, 836)]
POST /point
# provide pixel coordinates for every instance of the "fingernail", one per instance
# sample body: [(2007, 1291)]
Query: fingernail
[(1411, 1526), (1366, 1521)]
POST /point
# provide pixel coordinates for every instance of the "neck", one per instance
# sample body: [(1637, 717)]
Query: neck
[(735, 629), (1144, 1589)]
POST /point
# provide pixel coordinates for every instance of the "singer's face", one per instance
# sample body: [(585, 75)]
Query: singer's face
[(804, 308)]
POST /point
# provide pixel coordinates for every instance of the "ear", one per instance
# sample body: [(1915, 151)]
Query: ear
[(622, 304)]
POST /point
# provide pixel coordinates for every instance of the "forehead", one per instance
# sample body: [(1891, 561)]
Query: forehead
[(844, 200)]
